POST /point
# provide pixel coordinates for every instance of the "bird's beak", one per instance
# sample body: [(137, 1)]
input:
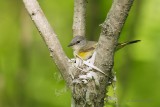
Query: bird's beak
[(71, 44)]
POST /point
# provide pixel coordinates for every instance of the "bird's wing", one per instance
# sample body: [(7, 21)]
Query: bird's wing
[(88, 50), (91, 46)]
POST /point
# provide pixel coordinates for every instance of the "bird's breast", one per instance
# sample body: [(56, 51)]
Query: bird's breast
[(85, 55)]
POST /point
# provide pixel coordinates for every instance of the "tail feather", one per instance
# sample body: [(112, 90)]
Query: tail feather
[(121, 45), (135, 41)]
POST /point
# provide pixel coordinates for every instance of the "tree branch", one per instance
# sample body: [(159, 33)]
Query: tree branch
[(79, 25), (49, 37), (110, 32)]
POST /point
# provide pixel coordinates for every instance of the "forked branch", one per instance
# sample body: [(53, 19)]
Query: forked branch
[(89, 94)]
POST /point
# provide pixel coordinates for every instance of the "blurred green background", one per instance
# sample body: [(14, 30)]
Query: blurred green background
[(29, 77)]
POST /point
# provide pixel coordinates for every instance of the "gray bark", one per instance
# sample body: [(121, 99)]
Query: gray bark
[(79, 24)]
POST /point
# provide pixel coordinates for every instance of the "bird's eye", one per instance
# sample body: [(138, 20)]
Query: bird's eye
[(78, 41)]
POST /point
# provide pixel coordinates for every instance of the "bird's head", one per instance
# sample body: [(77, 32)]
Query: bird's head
[(78, 42)]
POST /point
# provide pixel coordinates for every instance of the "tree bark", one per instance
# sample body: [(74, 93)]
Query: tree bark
[(50, 38), (88, 88), (110, 33), (79, 22)]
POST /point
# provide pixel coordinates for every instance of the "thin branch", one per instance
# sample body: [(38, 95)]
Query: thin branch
[(49, 37), (79, 26)]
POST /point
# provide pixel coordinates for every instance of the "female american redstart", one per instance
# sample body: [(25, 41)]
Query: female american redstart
[(85, 49)]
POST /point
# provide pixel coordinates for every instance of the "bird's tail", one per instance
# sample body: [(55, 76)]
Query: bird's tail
[(121, 45)]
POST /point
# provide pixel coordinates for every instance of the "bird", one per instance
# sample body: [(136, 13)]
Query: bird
[(85, 49)]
